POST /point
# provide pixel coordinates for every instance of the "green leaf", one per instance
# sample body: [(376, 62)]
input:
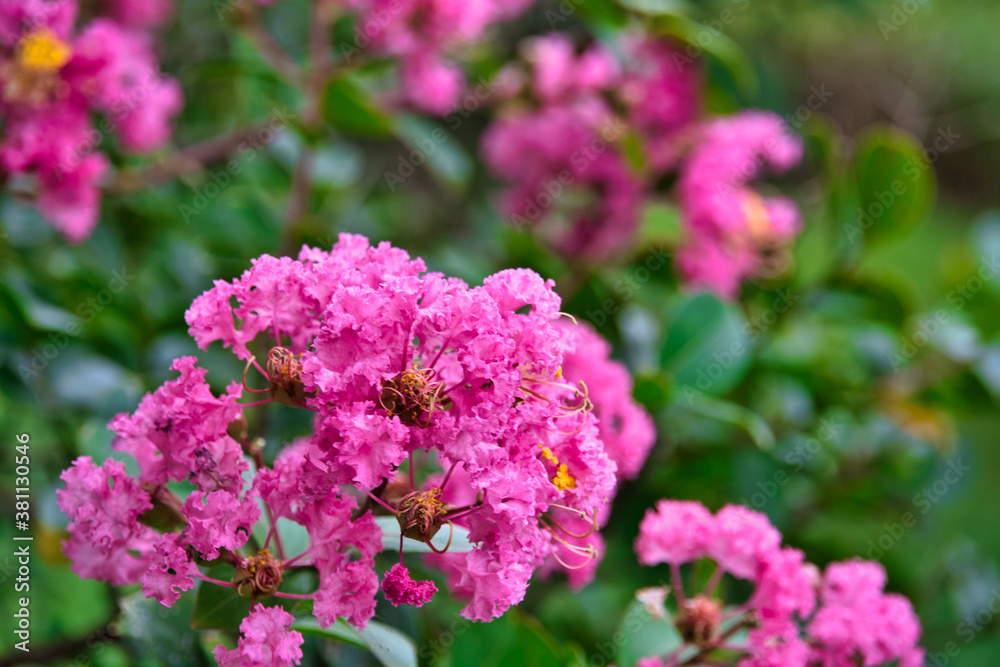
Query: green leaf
[(711, 42), (707, 348), (160, 631), (653, 7), (895, 184), (431, 142), (600, 12), (755, 425), (217, 607), (661, 226), (390, 538), (642, 634), (349, 108), (391, 647), (513, 640)]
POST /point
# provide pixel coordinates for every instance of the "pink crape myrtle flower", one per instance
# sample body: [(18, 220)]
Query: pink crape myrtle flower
[(267, 641), (480, 392), (662, 90), (567, 178), (140, 14), (625, 427), (576, 189), (420, 32), (399, 588), (561, 146), (51, 80), (395, 360), (795, 616), (103, 504), (856, 617), (729, 224)]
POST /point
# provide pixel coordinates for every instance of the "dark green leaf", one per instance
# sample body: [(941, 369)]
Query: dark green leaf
[(350, 109), (895, 184)]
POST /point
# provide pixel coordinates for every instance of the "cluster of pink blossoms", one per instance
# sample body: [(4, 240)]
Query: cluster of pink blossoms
[(796, 616), (53, 78), (419, 33), (732, 228), (562, 147), (435, 403)]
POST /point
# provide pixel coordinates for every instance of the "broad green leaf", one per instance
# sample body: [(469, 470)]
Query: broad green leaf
[(707, 348), (217, 607), (391, 647), (642, 633), (709, 40), (349, 108), (390, 538), (661, 225), (431, 144), (895, 183), (731, 413), (513, 640), (653, 7), (160, 631), (600, 12)]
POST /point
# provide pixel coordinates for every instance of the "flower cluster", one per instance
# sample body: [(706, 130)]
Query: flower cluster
[(796, 616), (734, 231), (568, 179), (419, 34), (437, 406), (592, 137), (53, 76)]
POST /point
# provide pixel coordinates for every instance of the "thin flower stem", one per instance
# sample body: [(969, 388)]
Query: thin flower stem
[(288, 563), (268, 48), (294, 596), (380, 501), (217, 582), (188, 160), (713, 581), (256, 403), (253, 360), (413, 486), (716, 644), (448, 476), (678, 583)]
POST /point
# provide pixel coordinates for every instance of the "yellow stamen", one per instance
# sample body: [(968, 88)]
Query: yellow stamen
[(42, 50), (757, 218), (563, 480)]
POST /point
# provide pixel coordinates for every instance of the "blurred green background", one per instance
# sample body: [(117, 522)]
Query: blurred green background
[(870, 397)]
